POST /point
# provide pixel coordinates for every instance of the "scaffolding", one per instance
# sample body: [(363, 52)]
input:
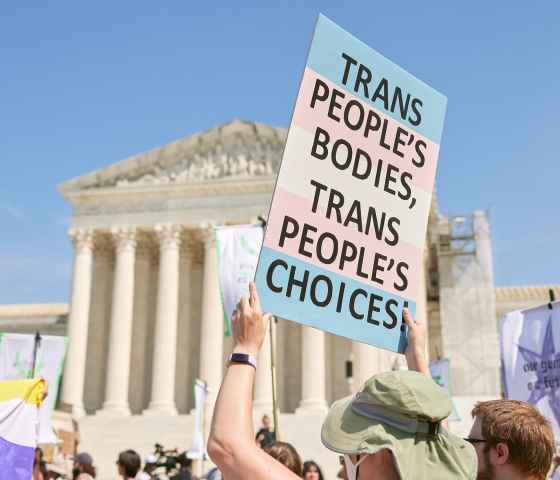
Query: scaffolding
[(454, 239), (457, 236)]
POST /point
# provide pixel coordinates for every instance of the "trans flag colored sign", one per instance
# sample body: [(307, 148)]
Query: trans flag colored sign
[(346, 228)]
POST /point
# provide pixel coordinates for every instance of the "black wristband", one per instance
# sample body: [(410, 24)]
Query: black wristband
[(243, 358)]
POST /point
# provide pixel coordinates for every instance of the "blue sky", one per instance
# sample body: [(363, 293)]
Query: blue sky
[(84, 85)]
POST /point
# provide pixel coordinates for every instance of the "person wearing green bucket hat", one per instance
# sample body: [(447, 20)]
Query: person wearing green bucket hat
[(393, 425), (390, 430)]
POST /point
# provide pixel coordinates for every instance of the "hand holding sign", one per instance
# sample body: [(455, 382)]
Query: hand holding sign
[(415, 352), (249, 323)]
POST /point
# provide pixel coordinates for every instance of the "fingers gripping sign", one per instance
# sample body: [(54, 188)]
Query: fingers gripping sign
[(249, 323), (415, 352)]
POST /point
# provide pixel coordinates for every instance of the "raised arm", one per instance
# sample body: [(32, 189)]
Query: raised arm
[(416, 351), (231, 444)]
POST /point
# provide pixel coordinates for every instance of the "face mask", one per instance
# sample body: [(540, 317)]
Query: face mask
[(352, 468)]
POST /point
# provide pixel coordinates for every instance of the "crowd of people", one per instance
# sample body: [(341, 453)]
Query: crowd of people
[(394, 428), (129, 465)]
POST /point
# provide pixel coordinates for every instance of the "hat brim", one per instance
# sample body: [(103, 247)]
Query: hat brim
[(417, 457)]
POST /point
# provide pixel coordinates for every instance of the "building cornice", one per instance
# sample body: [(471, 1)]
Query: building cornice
[(225, 187), (526, 292)]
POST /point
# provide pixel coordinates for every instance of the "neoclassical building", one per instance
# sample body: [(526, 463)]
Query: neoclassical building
[(145, 317)]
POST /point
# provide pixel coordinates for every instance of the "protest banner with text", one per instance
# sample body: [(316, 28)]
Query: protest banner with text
[(346, 229), (530, 346)]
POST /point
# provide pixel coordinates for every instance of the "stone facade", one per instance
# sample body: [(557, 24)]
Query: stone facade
[(145, 292), (146, 320)]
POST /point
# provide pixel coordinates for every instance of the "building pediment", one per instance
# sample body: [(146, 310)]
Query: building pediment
[(235, 150)]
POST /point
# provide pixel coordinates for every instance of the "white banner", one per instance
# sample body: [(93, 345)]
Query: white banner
[(198, 450), (530, 345), (16, 362), (238, 249)]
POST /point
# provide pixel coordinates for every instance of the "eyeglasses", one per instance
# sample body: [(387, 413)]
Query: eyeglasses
[(474, 441)]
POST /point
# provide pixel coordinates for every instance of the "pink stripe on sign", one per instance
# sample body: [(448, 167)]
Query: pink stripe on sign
[(310, 118), (299, 208)]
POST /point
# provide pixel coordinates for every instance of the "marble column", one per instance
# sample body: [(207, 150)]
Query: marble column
[(212, 328), (75, 366), (313, 372), (141, 355), (99, 321), (188, 336), (165, 339), (120, 337), (366, 363), (262, 402)]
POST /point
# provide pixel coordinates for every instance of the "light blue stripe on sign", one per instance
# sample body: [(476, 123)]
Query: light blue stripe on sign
[(325, 57), (326, 317)]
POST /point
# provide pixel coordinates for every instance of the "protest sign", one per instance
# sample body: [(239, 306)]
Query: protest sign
[(346, 229), (238, 252), (16, 361), (530, 346)]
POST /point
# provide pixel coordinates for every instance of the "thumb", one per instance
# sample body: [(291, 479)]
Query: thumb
[(408, 319)]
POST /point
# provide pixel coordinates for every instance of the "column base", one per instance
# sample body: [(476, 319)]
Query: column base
[(76, 411), (114, 410), (155, 409), (312, 407)]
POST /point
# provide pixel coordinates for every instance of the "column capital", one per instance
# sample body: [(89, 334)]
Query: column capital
[(168, 235), (104, 247), (82, 238), (124, 238)]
